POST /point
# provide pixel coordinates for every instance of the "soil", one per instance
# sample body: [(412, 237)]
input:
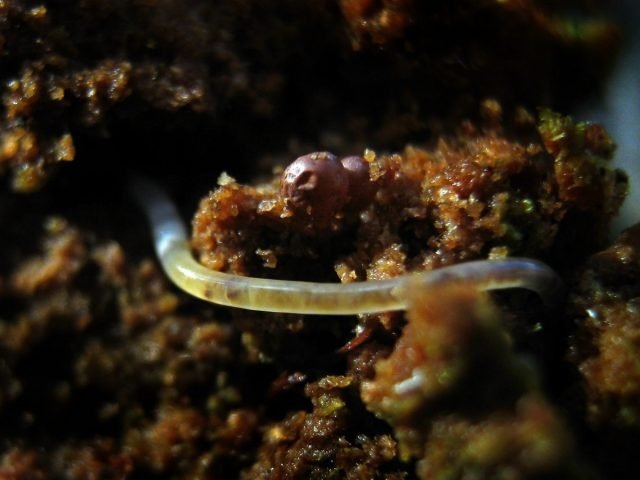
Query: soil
[(449, 141)]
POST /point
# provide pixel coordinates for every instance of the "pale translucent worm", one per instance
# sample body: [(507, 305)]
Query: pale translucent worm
[(267, 295)]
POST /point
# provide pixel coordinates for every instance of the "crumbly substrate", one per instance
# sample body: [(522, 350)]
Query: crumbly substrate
[(454, 348), (482, 193), (376, 72), (108, 371), (606, 343)]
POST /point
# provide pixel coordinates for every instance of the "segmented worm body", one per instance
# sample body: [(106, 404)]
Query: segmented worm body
[(268, 295)]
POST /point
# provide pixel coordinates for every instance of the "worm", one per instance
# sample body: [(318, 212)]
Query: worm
[(268, 295)]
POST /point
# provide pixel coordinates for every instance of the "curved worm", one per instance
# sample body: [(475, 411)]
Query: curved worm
[(268, 295)]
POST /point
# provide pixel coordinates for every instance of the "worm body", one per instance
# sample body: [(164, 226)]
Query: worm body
[(173, 250)]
